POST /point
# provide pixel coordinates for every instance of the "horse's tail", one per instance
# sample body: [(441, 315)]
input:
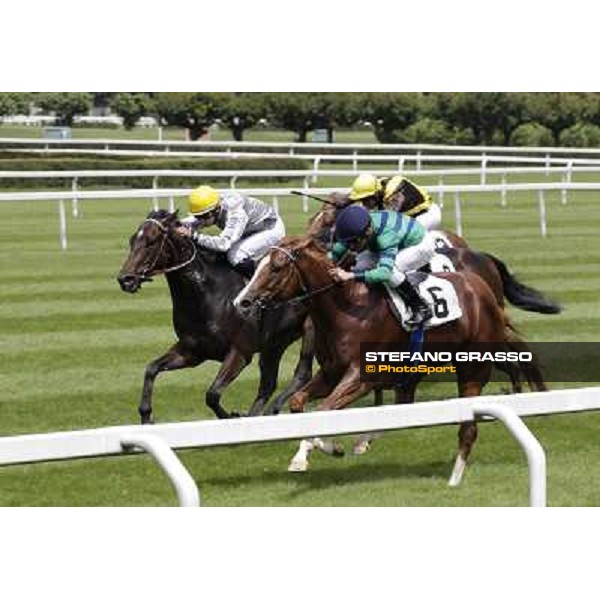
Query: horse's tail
[(522, 296)]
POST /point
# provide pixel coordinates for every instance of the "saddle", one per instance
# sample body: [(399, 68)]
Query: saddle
[(438, 293)]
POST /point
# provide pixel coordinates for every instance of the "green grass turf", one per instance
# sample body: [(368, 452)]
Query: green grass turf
[(73, 350)]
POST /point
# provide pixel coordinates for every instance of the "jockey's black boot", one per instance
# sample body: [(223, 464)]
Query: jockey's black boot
[(421, 312), (246, 268)]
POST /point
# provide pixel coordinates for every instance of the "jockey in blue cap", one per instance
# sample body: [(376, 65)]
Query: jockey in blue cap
[(394, 243)]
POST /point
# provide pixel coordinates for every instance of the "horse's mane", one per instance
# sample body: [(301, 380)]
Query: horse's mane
[(163, 214)]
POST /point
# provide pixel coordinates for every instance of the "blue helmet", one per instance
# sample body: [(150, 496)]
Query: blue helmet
[(351, 223)]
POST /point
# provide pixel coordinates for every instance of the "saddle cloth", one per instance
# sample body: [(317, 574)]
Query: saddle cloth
[(438, 293)]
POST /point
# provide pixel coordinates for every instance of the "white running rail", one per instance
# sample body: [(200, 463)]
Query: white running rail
[(114, 441), (276, 193)]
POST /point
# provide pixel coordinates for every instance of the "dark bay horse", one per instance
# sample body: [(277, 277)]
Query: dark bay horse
[(346, 316), (203, 286)]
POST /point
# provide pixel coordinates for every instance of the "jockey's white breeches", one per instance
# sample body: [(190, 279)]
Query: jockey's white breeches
[(409, 259), (255, 246), (432, 219)]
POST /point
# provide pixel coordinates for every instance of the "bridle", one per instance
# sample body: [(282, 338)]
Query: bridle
[(165, 238), (307, 292)]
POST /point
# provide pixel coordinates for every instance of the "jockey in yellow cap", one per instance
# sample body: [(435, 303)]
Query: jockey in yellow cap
[(248, 226), (397, 193), (404, 196)]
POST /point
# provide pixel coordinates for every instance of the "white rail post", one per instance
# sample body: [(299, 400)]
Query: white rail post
[(401, 163), (155, 187), (419, 160), (62, 215), (316, 165), (441, 193), (483, 168), (536, 458), (458, 214), (75, 189), (185, 486), (569, 179), (305, 198), (233, 182), (548, 165), (355, 161), (171, 204), (543, 224), (503, 194), (276, 204)]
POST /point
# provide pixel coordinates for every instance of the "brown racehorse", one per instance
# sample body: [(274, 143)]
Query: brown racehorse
[(492, 270), (346, 316)]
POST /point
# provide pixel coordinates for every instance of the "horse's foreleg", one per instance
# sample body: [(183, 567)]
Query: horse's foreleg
[(303, 372), (403, 395), (348, 390), (467, 434), (232, 366), (317, 387), (269, 373), (176, 358)]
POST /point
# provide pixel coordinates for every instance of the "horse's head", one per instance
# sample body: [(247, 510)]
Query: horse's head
[(321, 225), (295, 267), (156, 248)]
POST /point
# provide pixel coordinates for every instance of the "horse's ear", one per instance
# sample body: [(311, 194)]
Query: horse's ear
[(174, 218)]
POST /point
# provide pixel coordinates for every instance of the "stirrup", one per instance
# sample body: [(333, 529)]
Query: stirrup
[(419, 316)]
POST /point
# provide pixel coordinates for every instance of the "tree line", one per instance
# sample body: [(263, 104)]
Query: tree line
[(490, 118)]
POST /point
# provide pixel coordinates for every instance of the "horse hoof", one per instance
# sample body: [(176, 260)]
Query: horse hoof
[(338, 451), (361, 448), (298, 466)]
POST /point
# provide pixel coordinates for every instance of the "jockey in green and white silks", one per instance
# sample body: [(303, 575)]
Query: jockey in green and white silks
[(390, 245)]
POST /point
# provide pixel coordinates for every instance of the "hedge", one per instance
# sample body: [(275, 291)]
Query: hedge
[(13, 161)]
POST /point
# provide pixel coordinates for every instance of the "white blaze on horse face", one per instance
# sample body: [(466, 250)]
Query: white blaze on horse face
[(261, 265)]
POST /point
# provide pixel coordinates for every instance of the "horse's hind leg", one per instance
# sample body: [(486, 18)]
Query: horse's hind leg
[(176, 358), (467, 434), (531, 371)]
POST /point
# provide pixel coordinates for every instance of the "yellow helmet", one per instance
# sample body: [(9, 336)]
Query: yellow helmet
[(393, 185), (365, 186), (203, 200)]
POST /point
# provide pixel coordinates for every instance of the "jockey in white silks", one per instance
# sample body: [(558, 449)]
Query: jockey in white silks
[(248, 226)]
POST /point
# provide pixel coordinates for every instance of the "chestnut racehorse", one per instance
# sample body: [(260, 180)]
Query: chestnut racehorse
[(345, 316), (492, 270)]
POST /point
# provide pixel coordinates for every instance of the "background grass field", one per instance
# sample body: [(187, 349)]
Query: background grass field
[(73, 349)]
